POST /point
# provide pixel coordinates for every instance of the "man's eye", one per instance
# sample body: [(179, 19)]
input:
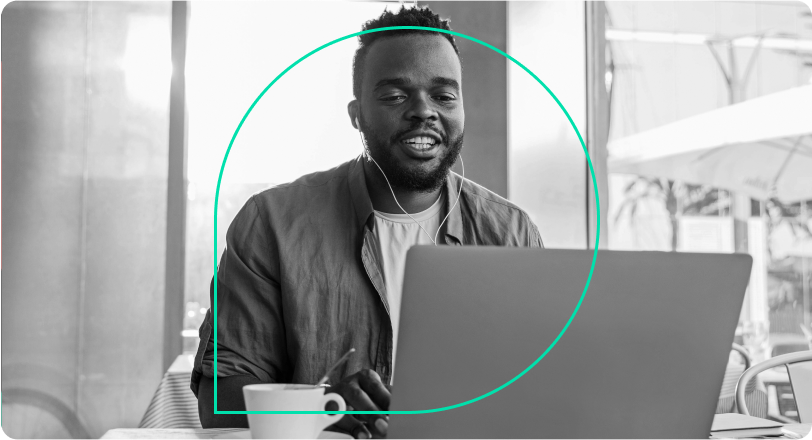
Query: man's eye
[(445, 98), (393, 98)]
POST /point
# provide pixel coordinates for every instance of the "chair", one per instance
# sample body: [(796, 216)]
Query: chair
[(799, 369), (744, 354), (733, 371), (32, 413), (756, 398)]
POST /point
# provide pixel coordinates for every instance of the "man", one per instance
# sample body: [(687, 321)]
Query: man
[(314, 267)]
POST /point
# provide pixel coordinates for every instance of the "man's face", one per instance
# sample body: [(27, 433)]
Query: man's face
[(411, 113)]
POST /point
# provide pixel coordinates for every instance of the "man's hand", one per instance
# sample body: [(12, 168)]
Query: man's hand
[(364, 391)]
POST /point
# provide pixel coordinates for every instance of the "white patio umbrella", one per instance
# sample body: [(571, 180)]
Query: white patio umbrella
[(761, 147)]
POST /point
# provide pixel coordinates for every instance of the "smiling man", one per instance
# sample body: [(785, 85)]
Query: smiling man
[(315, 267)]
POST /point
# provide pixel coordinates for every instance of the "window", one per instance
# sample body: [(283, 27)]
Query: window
[(298, 127), (676, 72)]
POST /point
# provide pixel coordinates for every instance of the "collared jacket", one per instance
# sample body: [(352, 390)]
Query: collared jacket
[(301, 281)]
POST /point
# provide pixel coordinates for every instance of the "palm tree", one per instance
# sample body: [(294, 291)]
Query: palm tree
[(677, 197)]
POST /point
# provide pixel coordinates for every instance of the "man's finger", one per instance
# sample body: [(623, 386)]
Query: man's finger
[(353, 426), (356, 397), (381, 426), (371, 384)]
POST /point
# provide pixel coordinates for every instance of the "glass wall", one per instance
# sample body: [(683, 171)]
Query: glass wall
[(85, 141), (696, 88), (546, 162)]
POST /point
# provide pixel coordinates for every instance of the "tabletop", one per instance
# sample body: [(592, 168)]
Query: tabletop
[(187, 433), (801, 430)]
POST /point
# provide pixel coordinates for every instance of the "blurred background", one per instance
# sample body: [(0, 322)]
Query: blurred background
[(116, 118)]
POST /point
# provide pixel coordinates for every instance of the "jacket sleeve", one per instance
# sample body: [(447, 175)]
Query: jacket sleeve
[(528, 232), (535, 237), (249, 325)]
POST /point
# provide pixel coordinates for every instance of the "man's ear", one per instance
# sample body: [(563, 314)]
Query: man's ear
[(352, 110)]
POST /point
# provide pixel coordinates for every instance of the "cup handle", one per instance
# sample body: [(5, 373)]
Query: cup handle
[(329, 419)]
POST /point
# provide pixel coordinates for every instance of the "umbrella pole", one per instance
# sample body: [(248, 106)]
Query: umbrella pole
[(805, 279), (785, 163)]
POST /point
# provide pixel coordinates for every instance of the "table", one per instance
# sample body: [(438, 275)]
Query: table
[(174, 405), (800, 429), (182, 422), (187, 433), (209, 434)]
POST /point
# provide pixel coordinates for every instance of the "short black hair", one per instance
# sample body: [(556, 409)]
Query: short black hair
[(414, 16)]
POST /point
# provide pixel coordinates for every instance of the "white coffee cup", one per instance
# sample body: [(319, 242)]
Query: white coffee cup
[(289, 397)]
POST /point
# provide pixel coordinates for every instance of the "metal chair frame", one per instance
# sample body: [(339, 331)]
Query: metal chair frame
[(744, 354), (803, 375)]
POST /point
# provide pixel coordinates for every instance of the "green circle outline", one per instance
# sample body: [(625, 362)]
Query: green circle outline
[(445, 408)]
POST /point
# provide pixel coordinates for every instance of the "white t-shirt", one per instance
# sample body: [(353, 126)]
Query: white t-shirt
[(396, 234)]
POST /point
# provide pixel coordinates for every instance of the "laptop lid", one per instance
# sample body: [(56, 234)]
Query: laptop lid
[(644, 356)]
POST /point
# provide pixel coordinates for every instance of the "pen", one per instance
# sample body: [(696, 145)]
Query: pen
[(336, 365)]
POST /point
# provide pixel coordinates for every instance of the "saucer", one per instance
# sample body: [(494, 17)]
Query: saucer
[(246, 434)]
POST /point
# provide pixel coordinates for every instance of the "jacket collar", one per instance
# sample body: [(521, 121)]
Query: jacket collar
[(452, 229), (453, 226), (358, 193)]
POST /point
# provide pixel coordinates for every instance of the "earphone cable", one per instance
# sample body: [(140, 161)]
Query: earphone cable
[(459, 193)]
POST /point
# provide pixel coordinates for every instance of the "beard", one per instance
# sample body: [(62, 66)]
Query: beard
[(411, 178)]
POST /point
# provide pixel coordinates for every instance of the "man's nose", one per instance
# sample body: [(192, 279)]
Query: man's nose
[(421, 109)]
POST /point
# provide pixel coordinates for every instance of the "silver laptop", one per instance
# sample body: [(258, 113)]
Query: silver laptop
[(644, 357)]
